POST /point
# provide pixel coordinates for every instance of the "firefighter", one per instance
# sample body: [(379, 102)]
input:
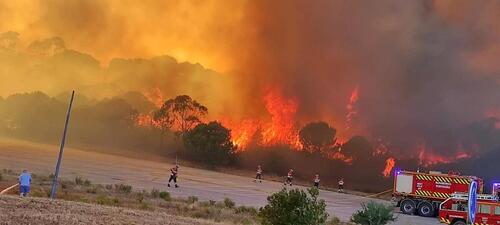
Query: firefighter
[(289, 178), (258, 176), (341, 185), (173, 176), (316, 181)]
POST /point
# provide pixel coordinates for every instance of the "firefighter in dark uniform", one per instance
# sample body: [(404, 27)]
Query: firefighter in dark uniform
[(316, 181), (289, 177), (173, 176), (258, 176)]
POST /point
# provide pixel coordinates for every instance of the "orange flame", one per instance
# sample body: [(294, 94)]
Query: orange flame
[(351, 111), (427, 157), (389, 165), (282, 129), (242, 133), (145, 120)]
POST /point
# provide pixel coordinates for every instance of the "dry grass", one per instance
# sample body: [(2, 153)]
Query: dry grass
[(153, 203), (43, 211)]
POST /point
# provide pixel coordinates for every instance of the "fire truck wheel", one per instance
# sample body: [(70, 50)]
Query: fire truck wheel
[(459, 222), (408, 206), (425, 209)]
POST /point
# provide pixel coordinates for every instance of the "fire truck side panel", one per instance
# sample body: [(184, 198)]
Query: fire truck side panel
[(404, 184), (431, 186)]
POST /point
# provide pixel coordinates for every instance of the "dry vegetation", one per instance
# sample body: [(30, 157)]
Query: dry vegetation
[(127, 206)]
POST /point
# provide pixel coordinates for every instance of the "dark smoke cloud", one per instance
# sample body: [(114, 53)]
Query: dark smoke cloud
[(411, 59), (427, 70)]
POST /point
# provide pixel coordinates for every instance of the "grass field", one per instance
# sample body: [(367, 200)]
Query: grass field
[(154, 206)]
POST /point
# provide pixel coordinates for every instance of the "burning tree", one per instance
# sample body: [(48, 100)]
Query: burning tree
[(180, 114), (317, 136)]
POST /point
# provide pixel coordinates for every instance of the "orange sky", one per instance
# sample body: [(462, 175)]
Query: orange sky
[(189, 30)]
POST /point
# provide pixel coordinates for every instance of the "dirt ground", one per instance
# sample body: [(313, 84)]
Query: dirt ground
[(15, 210)]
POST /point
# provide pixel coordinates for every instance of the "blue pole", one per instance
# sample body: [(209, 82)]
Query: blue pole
[(61, 149)]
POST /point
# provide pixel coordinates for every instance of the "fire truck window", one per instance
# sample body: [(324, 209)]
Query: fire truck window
[(497, 210), (486, 209)]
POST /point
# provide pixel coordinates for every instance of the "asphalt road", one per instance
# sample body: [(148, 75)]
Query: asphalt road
[(143, 174)]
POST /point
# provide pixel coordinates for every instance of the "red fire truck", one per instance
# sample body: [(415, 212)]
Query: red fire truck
[(454, 210), (421, 193)]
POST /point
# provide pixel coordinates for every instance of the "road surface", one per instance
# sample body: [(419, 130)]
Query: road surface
[(143, 174)]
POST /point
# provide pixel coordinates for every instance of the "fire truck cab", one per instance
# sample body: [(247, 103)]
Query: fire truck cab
[(454, 210)]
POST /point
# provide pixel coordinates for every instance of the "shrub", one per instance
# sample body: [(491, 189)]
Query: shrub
[(373, 214), (105, 200), (165, 196), (87, 182), (294, 207), (109, 186), (228, 203), (245, 209), (78, 181), (92, 190), (155, 193), (127, 189), (192, 199), (139, 197)]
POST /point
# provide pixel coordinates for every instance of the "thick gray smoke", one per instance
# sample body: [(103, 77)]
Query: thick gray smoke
[(423, 67)]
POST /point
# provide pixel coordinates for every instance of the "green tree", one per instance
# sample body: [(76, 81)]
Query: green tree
[(317, 136), (210, 144), (294, 207), (373, 214), (180, 114)]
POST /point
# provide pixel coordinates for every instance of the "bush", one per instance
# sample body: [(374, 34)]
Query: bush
[(127, 189), (105, 200), (78, 180), (139, 197), (228, 203), (165, 196), (87, 182), (109, 186), (155, 193), (192, 199), (373, 214), (294, 207), (245, 209)]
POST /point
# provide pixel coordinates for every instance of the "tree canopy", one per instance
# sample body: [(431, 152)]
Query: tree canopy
[(317, 136), (210, 144), (180, 114)]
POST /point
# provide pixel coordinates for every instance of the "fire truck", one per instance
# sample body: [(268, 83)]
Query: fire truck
[(422, 193), (454, 210)]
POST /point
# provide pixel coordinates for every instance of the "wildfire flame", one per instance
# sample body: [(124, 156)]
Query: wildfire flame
[(242, 133), (427, 157), (351, 109), (389, 165), (282, 129)]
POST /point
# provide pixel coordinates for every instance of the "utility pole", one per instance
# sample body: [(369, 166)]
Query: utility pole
[(61, 149)]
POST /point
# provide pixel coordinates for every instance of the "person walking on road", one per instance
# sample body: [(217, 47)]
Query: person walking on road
[(173, 176), (341, 185), (316, 181), (258, 176), (289, 177), (24, 183)]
